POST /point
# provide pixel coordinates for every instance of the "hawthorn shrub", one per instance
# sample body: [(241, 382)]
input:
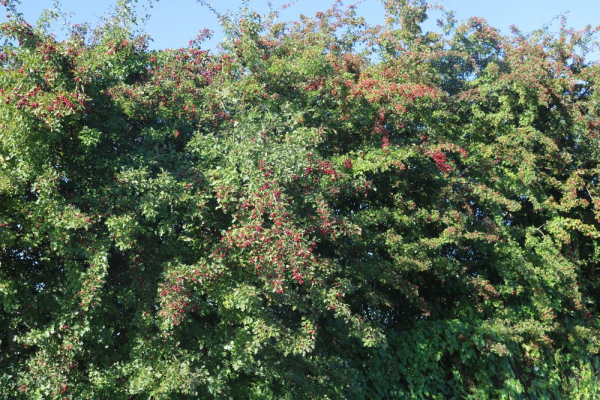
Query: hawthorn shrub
[(321, 209)]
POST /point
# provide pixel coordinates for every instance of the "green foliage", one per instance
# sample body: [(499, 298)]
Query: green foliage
[(323, 209)]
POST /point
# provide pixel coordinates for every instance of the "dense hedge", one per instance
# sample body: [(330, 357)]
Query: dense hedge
[(321, 209)]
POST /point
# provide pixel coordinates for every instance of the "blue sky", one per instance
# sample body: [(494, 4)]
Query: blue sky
[(175, 22)]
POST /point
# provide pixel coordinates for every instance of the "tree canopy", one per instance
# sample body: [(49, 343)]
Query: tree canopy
[(319, 209)]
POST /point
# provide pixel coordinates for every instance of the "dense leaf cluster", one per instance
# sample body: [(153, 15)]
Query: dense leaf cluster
[(321, 209)]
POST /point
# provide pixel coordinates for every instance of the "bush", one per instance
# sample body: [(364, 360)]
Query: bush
[(323, 209)]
